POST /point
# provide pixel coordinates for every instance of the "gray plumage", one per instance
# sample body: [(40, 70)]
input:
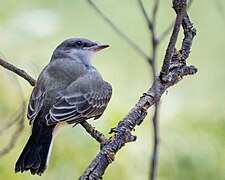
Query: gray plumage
[(69, 89)]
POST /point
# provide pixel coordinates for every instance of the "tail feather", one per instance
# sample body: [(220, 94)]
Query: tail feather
[(36, 151), (45, 152), (33, 157)]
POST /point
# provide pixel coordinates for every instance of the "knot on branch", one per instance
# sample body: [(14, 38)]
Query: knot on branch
[(190, 31), (180, 72), (123, 134), (165, 78)]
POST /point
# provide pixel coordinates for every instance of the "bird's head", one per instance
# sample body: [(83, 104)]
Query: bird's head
[(80, 49)]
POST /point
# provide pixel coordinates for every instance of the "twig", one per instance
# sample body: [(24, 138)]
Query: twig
[(94, 133), (16, 134), (118, 31), (18, 71), (173, 39), (149, 22), (154, 41), (154, 159), (155, 10), (166, 32), (169, 28), (19, 117), (11, 122)]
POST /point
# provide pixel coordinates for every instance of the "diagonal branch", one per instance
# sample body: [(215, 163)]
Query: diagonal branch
[(169, 28), (119, 32), (149, 22), (155, 10), (122, 133), (18, 120), (18, 71)]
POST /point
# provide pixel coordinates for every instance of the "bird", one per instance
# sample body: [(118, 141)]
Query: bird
[(68, 91)]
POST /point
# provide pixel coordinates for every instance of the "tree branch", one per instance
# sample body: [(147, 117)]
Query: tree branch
[(180, 10), (169, 28), (148, 20), (18, 71), (122, 133), (98, 136), (154, 42), (118, 31)]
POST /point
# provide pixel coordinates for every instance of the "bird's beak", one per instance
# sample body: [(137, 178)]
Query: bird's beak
[(97, 47)]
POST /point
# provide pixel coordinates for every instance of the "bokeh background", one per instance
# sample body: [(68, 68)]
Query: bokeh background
[(192, 115)]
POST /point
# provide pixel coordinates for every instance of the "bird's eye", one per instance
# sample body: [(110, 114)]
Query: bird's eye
[(79, 43)]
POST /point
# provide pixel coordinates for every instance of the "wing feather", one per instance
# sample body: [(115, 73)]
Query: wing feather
[(80, 107), (35, 103)]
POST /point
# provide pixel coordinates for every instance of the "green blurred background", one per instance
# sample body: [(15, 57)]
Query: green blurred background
[(192, 115)]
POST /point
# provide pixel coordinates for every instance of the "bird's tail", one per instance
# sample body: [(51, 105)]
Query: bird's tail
[(36, 152)]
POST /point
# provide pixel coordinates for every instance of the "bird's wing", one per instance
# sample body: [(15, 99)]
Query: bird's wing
[(81, 105), (36, 101)]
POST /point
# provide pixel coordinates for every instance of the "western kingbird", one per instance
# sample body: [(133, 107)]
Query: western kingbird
[(68, 90)]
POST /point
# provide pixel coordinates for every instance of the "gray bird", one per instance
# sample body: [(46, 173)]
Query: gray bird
[(69, 90)]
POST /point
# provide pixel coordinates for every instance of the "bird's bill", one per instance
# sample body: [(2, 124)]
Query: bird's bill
[(97, 47)]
